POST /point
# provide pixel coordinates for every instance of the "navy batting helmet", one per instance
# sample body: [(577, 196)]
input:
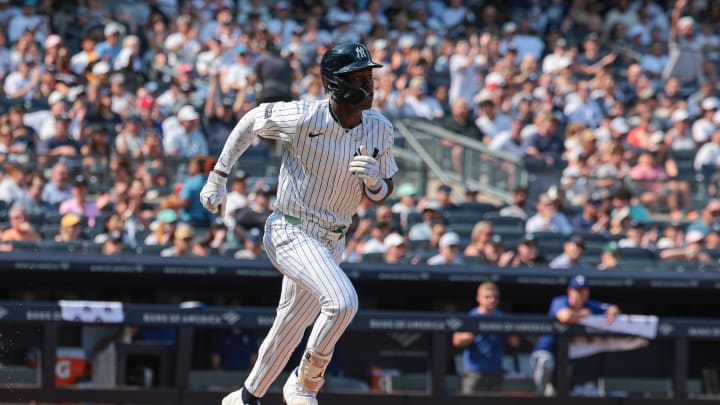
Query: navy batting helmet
[(345, 58)]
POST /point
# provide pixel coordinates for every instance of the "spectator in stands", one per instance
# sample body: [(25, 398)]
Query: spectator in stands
[(586, 220), (24, 137), (444, 198), (378, 232), (23, 83), (524, 255), (70, 228), (182, 243), (253, 245), (459, 121), (431, 213), (79, 203), (636, 237), (113, 223), (448, 251), (418, 103), (257, 211), (704, 127), (517, 208), (60, 143), (182, 136), (164, 228), (545, 144), (483, 353), (274, 74), (238, 196), (494, 251), (692, 251), (113, 245), (396, 249), (130, 140), (479, 238), (568, 309), (548, 219), (109, 49), (686, 61), (58, 189), (14, 185), (673, 236), (610, 256), (34, 204), (20, 228), (190, 208), (571, 258), (707, 160), (406, 204)]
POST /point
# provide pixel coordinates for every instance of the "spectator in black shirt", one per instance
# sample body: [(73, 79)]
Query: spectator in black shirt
[(274, 75), (255, 214), (61, 143), (585, 221)]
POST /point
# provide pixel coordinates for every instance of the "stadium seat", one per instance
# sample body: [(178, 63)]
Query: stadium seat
[(637, 253), (345, 384), (23, 246), (644, 387), (372, 258), (53, 246), (474, 260), (150, 249), (463, 229)]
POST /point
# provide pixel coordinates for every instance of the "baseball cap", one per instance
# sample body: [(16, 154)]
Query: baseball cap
[(578, 240), (254, 235), (70, 220), (241, 175), (393, 240), (55, 97), (115, 236), (445, 189), (52, 40), (100, 68), (680, 115), (611, 247), (528, 238), (406, 189), (433, 206), (187, 113), (111, 29), (449, 239), (80, 180), (578, 282), (241, 49), (496, 239), (167, 216), (619, 125), (694, 236), (184, 231), (710, 103)]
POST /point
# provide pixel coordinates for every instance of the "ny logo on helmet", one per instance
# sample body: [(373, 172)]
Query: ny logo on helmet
[(360, 52)]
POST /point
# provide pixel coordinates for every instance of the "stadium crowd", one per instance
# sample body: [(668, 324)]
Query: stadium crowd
[(111, 111)]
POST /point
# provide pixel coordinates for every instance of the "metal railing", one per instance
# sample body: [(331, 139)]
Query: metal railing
[(456, 159)]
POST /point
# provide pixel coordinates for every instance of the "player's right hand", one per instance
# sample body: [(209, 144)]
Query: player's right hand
[(213, 195)]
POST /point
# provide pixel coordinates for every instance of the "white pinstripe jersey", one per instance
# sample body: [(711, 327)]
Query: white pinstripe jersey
[(314, 181)]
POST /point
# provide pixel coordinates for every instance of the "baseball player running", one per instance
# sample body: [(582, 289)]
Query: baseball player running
[(335, 152)]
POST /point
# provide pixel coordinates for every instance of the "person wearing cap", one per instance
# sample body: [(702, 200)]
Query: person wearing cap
[(679, 137), (610, 256), (110, 48), (518, 206), (407, 202), (24, 137), (568, 309), (396, 249), (163, 228), (444, 197), (185, 139), (113, 245), (130, 140), (20, 227), (483, 352), (571, 257), (686, 56), (417, 103), (182, 242), (692, 251), (114, 223), (191, 210), (431, 214), (544, 143), (448, 251), (525, 254), (636, 237), (79, 203), (234, 78), (559, 59), (491, 120), (257, 211), (494, 251), (252, 245), (70, 228), (459, 121), (238, 196)]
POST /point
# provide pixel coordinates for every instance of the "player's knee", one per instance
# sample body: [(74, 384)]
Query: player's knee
[(348, 305)]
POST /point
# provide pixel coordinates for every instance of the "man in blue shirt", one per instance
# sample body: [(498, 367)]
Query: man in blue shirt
[(568, 309), (483, 354), (192, 211)]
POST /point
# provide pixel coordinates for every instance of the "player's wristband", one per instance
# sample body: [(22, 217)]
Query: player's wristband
[(379, 194)]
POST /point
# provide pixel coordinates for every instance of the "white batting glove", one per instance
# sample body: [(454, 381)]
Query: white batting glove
[(366, 167), (213, 195)]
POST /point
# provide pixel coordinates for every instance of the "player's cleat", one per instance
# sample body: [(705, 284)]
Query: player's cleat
[(295, 394), (236, 398)]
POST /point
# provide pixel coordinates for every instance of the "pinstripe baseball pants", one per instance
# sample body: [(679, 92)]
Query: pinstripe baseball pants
[(313, 284)]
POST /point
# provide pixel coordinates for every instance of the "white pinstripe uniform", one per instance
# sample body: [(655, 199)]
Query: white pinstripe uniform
[(316, 196)]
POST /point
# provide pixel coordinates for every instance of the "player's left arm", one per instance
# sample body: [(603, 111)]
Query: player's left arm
[(377, 169)]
